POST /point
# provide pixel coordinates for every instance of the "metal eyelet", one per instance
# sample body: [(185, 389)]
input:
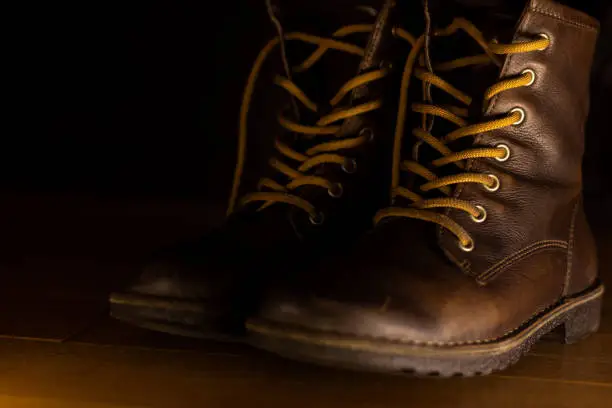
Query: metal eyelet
[(317, 219), (496, 183), (349, 166), (483, 215), (336, 190), (522, 118), (368, 133), (506, 156), (546, 36), (467, 248), (533, 75)]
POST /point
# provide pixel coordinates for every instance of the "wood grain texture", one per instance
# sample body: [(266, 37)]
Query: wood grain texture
[(163, 378)]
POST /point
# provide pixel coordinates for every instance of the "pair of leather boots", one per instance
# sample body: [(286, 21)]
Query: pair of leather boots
[(463, 144)]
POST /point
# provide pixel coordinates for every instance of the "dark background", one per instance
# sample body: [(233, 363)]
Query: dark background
[(131, 98), (141, 98)]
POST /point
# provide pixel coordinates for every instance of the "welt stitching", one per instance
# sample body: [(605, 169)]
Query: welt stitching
[(522, 254), (570, 248), (556, 16)]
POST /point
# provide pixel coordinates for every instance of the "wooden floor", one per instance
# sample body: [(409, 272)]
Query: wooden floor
[(58, 348)]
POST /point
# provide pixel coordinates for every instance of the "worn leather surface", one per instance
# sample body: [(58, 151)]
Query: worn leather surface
[(542, 179), (227, 268), (409, 283)]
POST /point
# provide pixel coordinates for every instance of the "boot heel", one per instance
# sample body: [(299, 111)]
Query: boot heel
[(582, 321)]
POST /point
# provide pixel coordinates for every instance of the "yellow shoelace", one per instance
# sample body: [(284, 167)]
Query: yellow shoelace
[(429, 209), (327, 125)]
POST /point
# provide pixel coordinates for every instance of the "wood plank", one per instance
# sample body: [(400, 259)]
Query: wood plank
[(10, 401), (587, 361), (131, 376), (112, 332)]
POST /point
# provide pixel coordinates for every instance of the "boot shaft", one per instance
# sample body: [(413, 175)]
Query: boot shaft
[(509, 181), (540, 182)]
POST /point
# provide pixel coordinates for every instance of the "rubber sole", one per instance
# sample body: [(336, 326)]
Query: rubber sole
[(579, 316), (174, 316)]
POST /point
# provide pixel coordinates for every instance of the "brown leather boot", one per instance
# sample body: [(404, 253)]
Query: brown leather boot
[(486, 247), (320, 187)]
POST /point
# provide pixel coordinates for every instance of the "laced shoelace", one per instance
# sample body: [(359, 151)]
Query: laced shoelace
[(327, 125), (431, 209)]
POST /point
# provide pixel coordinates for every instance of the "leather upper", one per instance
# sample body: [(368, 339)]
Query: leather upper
[(409, 281)]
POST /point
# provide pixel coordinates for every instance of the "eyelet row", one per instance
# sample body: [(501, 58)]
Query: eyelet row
[(469, 247), (349, 167), (482, 216)]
